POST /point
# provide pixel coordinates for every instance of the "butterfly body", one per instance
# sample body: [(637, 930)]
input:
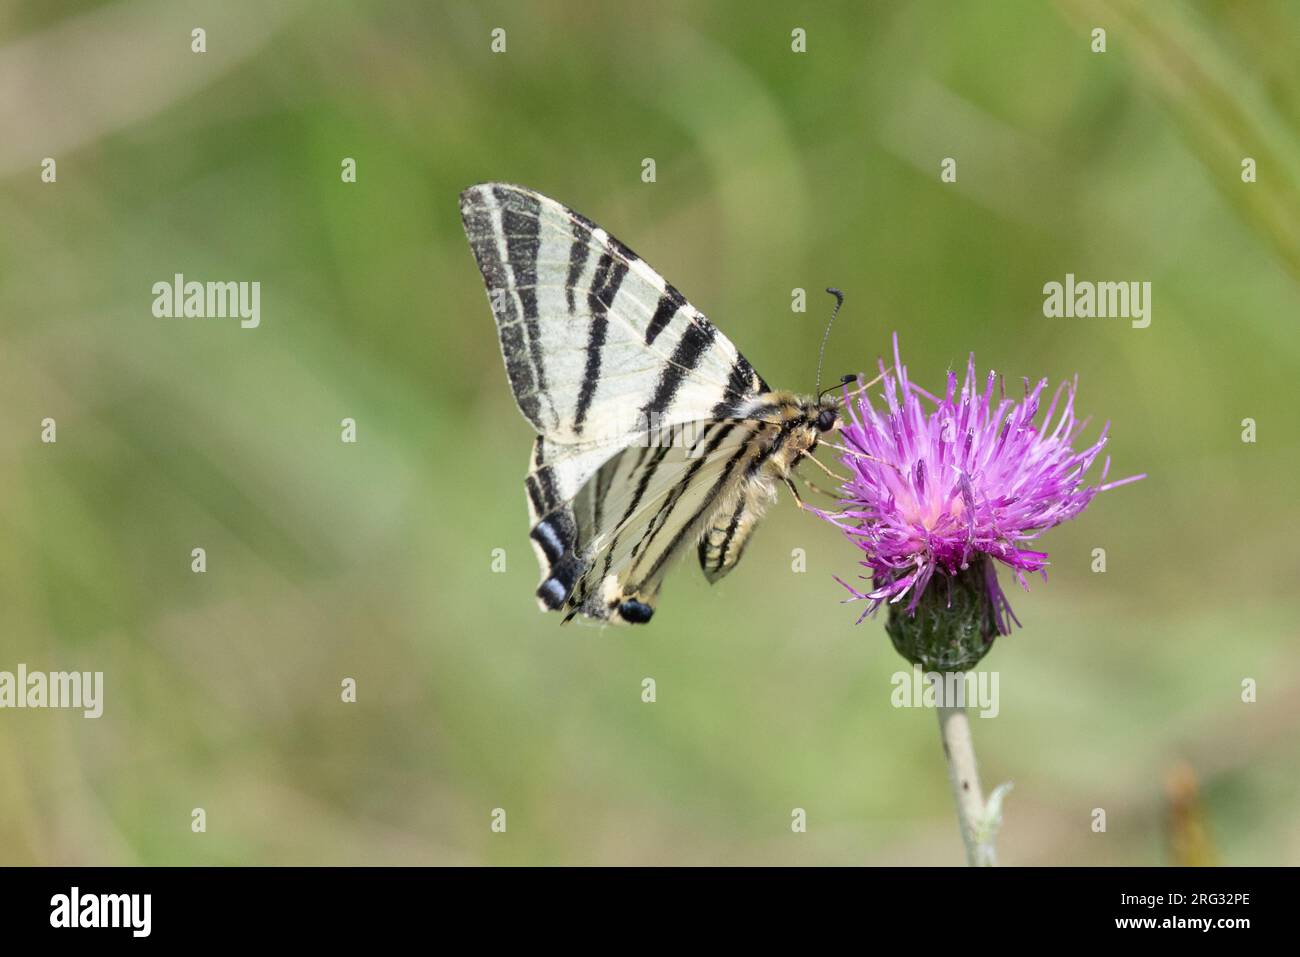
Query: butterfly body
[(654, 433), (787, 431)]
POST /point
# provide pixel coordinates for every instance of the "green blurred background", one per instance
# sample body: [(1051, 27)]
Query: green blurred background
[(775, 170)]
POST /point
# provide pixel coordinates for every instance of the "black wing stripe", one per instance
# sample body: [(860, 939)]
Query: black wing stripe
[(540, 484), (734, 524), (742, 382), (514, 347), (605, 478), (669, 303), (521, 224), (591, 373), (604, 287), (647, 474), (690, 525), (535, 494), (692, 346), (666, 509), (579, 250)]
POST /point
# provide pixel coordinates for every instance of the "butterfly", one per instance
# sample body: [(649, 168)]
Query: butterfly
[(654, 434)]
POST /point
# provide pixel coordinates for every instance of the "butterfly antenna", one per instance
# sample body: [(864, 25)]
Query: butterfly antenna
[(821, 355)]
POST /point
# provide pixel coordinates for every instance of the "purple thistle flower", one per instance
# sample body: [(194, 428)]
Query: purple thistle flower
[(970, 478)]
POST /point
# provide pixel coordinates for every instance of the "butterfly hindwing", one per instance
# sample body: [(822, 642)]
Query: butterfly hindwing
[(647, 505)]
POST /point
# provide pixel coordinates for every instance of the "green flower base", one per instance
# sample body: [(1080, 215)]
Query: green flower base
[(953, 627)]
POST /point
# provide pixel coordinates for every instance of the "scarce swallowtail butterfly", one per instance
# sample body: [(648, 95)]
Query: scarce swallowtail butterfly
[(654, 434)]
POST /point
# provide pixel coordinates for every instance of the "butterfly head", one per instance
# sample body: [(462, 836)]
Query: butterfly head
[(805, 420), (824, 411)]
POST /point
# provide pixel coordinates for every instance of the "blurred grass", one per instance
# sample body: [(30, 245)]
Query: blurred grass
[(774, 171)]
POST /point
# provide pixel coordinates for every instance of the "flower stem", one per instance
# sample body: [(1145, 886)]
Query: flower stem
[(963, 774)]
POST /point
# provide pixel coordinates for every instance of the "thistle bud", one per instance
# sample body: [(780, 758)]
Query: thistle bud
[(952, 626)]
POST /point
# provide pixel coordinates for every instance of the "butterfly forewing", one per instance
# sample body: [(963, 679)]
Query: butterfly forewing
[(593, 338)]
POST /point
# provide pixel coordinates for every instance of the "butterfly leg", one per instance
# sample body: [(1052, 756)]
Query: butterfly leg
[(795, 492), (822, 465), (847, 451), (817, 488)]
